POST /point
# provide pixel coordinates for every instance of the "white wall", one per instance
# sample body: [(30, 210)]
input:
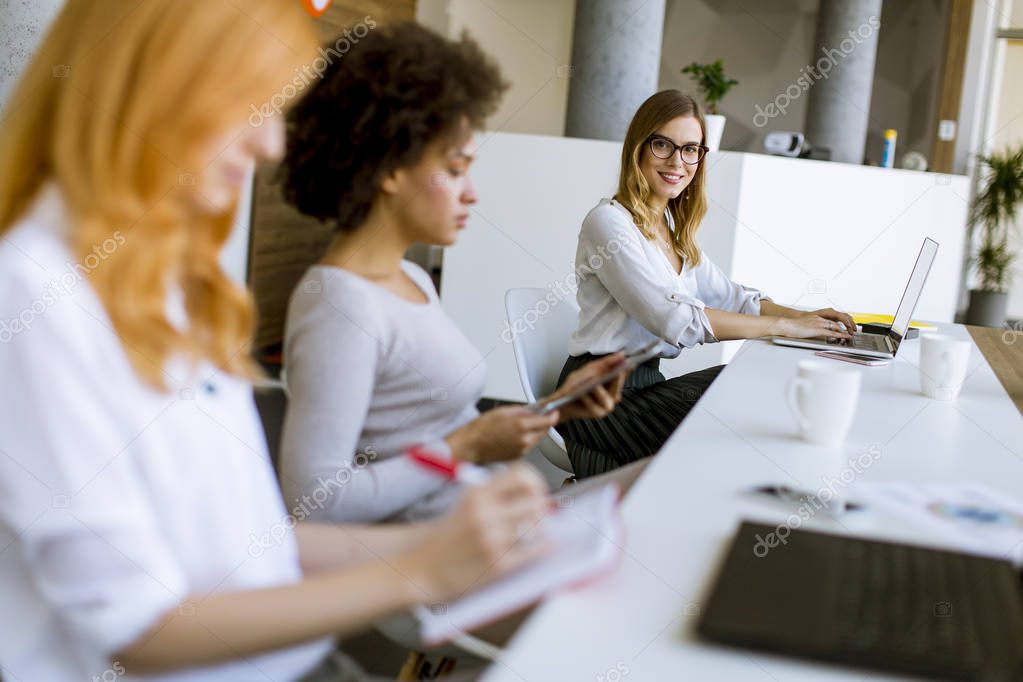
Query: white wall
[(530, 39), (234, 257)]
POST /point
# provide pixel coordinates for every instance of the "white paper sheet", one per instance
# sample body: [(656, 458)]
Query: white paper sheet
[(968, 517), (585, 533)]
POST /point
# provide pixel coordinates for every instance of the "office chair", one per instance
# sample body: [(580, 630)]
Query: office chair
[(540, 332)]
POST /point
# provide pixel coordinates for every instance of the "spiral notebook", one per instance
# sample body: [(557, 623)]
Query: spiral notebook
[(585, 533)]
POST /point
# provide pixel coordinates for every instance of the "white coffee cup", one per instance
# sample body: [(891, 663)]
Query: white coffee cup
[(943, 364), (823, 397)]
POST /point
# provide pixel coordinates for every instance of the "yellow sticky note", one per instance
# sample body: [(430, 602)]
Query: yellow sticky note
[(874, 318)]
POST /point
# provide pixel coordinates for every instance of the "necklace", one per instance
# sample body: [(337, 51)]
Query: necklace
[(665, 242)]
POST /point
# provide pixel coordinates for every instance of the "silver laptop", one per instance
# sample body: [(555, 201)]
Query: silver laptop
[(879, 345)]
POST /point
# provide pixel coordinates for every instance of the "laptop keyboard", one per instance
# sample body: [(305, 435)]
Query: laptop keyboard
[(861, 341), (902, 602)]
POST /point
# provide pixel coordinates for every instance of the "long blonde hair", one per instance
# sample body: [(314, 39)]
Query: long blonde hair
[(688, 209), (118, 106)]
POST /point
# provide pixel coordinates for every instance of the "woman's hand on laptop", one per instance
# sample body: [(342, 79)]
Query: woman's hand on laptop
[(835, 315), (809, 326), (500, 434), (488, 534)]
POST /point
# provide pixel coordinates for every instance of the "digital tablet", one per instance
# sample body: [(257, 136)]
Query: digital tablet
[(632, 361)]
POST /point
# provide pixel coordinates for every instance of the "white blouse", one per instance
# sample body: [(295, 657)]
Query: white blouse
[(119, 502), (629, 294)]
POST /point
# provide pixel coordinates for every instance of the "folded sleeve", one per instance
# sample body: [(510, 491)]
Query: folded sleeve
[(610, 250), (332, 354), (73, 495), (720, 293)]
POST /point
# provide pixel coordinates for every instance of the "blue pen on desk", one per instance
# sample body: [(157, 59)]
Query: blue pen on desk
[(800, 497)]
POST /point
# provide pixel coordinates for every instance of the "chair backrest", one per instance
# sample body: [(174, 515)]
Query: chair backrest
[(539, 336)]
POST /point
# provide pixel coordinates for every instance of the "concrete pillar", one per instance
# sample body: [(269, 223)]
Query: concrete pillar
[(616, 59), (843, 70), (22, 27)]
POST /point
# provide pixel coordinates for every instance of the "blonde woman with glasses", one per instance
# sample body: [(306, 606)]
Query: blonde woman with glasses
[(138, 496), (643, 277)]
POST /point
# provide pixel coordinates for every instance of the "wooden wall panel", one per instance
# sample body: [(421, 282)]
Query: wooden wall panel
[(943, 154), (283, 243)]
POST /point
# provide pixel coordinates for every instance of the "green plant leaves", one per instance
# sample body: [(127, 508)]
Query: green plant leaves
[(994, 209), (710, 79)]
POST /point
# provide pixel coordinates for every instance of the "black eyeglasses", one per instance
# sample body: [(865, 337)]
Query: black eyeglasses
[(663, 148)]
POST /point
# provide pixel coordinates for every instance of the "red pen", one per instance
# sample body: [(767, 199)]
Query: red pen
[(453, 469)]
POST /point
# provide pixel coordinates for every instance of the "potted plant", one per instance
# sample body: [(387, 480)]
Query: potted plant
[(712, 83), (994, 211)]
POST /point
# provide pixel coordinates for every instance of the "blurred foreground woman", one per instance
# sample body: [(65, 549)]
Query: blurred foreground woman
[(141, 530)]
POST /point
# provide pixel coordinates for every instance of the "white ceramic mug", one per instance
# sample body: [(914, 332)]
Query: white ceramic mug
[(943, 363), (823, 397)]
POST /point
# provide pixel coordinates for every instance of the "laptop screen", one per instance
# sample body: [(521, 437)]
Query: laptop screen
[(912, 293)]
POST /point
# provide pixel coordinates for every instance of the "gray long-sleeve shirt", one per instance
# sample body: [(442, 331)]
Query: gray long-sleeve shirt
[(370, 374)]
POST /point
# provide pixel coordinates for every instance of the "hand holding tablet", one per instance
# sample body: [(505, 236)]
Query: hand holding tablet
[(576, 393)]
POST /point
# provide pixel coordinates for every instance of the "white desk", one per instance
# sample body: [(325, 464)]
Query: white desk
[(682, 513)]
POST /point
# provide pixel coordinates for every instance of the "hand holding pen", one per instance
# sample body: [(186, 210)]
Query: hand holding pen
[(488, 534)]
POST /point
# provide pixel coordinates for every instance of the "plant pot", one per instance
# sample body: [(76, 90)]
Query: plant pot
[(715, 128), (987, 308)]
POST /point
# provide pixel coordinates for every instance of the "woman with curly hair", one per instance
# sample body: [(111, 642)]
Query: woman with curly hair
[(381, 148), (661, 287), (142, 532)]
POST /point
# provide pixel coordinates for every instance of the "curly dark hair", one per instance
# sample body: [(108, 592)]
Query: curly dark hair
[(377, 109)]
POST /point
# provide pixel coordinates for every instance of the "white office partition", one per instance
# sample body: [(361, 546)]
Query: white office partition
[(818, 234), (811, 234)]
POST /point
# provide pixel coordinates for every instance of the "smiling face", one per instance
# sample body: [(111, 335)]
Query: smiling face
[(669, 177), (431, 199)]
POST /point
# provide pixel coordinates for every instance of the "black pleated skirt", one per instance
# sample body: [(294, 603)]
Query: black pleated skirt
[(651, 409)]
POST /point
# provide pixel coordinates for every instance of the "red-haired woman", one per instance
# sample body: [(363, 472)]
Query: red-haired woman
[(142, 531)]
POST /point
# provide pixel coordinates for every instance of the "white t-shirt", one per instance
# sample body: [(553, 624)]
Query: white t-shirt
[(629, 294), (118, 502)]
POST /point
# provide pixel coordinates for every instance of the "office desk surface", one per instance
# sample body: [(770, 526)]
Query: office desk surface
[(637, 623)]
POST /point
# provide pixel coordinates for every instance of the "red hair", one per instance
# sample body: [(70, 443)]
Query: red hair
[(118, 106)]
